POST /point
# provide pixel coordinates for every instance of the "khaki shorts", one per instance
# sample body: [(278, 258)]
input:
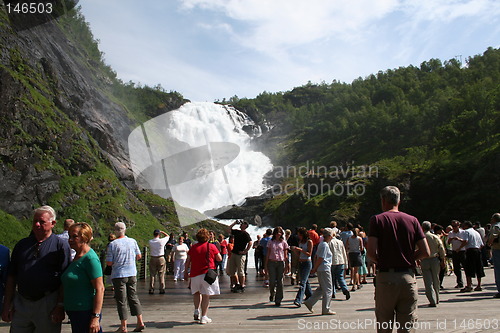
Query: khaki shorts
[(236, 264)]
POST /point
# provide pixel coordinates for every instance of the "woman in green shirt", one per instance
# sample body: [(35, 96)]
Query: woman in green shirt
[(82, 282)]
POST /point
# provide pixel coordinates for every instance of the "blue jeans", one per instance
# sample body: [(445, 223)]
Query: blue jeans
[(338, 277), (80, 321), (222, 264), (496, 267), (304, 286)]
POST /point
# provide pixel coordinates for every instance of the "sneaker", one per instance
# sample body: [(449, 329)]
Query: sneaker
[(196, 314), (347, 294), (329, 313), (205, 320), (175, 280), (266, 283)]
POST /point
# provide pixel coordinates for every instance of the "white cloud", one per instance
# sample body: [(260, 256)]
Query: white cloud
[(282, 24), (273, 27), (449, 10), (211, 49)]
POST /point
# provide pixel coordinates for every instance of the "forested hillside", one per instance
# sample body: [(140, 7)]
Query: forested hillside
[(433, 130)]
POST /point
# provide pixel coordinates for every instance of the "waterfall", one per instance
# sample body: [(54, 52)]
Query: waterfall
[(200, 156)]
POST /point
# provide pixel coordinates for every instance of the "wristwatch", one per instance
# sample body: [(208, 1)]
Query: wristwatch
[(95, 315)]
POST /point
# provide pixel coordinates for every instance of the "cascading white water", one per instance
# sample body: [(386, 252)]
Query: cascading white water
[(197, 124)]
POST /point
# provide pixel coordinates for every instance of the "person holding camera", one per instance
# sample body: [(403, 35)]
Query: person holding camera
[(236, 264)]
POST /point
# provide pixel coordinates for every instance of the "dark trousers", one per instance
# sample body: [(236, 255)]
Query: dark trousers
[(80, 321), (458, 259)]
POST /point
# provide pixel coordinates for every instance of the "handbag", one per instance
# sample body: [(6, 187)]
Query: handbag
[(211, 274), (107, 270)]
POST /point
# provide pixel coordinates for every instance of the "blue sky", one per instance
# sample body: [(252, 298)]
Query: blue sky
[(213, 49)]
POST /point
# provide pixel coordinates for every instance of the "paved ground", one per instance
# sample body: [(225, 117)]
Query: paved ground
[(252, 311)]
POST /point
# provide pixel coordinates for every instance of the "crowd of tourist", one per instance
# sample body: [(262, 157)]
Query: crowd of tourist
[(48, 275)]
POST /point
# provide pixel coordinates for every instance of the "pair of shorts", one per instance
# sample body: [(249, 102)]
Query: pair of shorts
[(355, 259), (236, 264), (198, 284), (473, 263)]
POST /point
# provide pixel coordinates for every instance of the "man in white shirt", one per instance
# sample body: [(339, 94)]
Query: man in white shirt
[(456, 238), (157, 264), (473, 263)]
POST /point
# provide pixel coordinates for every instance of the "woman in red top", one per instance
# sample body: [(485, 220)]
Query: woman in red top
[(223, 252), (230, 246), (197, 261)]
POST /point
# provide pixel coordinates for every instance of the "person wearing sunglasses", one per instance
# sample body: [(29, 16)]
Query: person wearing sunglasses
[(37, 264)]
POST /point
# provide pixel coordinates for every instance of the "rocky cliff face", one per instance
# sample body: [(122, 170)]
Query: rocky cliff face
[(57, 116)]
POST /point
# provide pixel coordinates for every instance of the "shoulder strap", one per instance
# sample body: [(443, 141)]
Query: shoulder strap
[(208, 254)]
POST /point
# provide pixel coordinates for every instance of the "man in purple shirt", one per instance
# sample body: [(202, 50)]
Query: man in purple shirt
[(392, 243)]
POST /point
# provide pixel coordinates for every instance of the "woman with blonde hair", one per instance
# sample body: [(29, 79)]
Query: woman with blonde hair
[(201, 257), (82, 282)]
